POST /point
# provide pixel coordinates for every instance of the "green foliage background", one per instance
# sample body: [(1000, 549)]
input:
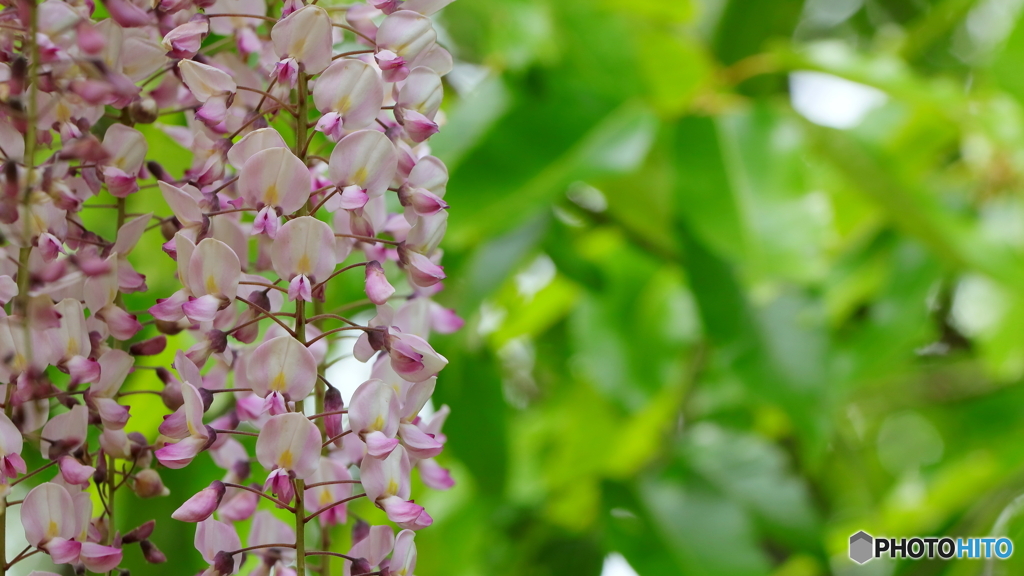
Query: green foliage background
[(761, 335)]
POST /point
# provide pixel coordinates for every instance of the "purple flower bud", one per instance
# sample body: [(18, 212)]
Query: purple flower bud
[(202, 505), (152, 554), (361, 566), (139, 534), (150, 347), (360, 531), (223, 563)]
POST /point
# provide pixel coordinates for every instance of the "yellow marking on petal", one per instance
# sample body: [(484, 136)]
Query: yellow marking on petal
[(343, 104), (53, 530), (211, 285), (378, 424), (360, 176), (62, 112), (303, 267), (392, 488), (270, 196), (72, 346), (20, 361), (279, 383), (325, 498), (285, 461)]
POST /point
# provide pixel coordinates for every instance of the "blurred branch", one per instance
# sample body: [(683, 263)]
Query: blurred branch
[(917, 212), (934, 25)]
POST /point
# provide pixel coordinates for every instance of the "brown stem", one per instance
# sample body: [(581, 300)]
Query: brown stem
[(259, 546), (336, 272), (324, 201), (331, 316), (21, 556), (356, 32), (269, 95), (236, 432), (352, 53), (33, 473), (335, 331), (368, 239), (326, 508), (261, 493), (322, 414), (233, 15), (256, 115), (335, 438), (223, 186), (270, 314), (318, 484), (338, 554)]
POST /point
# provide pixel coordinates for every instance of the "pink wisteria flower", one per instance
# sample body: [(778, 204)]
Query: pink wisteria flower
[(275, 225)]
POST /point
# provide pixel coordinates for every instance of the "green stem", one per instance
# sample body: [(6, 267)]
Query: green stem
[(301, 129), (30, 153), (111, 490), (8, 408), (300, 528), (302, 118)]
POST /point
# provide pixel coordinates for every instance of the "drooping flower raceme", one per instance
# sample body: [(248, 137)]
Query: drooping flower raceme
[(300, 122)]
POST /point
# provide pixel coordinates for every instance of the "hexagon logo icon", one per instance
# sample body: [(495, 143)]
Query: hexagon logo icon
[(861, 547)]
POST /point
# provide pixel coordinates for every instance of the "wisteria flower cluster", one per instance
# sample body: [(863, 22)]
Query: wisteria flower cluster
[(302, 120)]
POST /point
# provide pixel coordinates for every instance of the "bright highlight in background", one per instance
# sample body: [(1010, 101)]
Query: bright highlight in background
[(616, 565), (832, 101)]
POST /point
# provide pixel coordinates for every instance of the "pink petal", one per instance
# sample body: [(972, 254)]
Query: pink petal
[(63, 551), (202, 505), (275, 177), (74, 472), (289, 441), (419, 444), (374, 407), (298, 249), (179, 455), (214, 268), (422, 271), (353, 90), (98, 558), (367, 159), (406, 514), (284, 365), (205, 81), (306, 36), (203, 309), (434, 476), (121, 324), (44, 514), (378, 445), (300, 289), (253, 142)]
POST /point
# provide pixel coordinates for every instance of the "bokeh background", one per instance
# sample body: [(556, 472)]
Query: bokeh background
[(741, 278)]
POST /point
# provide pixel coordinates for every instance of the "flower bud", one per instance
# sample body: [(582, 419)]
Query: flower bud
[(378, 289), (333, 403), (361, 566), (148, 484), (139, 534), (143, 111), (360, 530), (202, 505), (152, 554), (150, 347), (223, 563)]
